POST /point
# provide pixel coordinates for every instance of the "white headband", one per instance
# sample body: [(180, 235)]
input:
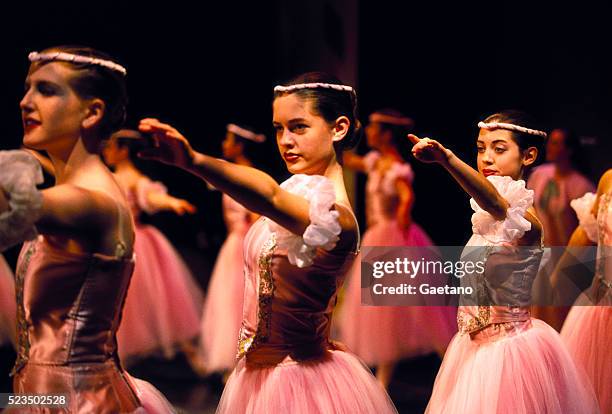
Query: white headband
[(315, 85), (69, 57), (512, 127), (391, 119), (245, 133)]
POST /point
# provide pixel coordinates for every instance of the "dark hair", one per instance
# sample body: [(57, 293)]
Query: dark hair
[(95, 81), (249, 147), (523, 140), (131, 139), (398, 132), (571, 141), (329, 104)]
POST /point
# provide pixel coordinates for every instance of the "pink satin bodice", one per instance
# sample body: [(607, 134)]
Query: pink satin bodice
[(68, 311), (287, 310)]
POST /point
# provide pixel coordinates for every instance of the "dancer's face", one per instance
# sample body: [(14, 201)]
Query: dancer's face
[(499, 154), (230, 147), (113, 153), (305, 139), (376, 135), (51, 111), (556, 150)]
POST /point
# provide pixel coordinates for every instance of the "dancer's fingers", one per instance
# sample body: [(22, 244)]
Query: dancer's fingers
[(413, 138)]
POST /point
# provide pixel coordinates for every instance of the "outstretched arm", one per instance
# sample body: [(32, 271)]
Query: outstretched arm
[(252, 188), (353, 161), (476, 185), (162, 201)]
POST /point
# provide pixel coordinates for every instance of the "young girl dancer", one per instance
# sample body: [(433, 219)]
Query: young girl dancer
[(588, 328), (400, 331), (222, 313), (296, 257), (555, 184), (502, 360), (162, 307), (72, 278)]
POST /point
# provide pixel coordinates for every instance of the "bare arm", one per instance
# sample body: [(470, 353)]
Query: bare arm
[(353, 162), (45, 162), (475, 184), (406, 201), (252, 188), (163, 201), (75, 212)]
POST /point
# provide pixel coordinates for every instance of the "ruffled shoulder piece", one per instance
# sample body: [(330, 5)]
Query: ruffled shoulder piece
[(583, 207), (20, 172), (398, 170), (144, 186), (324, 228), (369, 160), (514, 226)]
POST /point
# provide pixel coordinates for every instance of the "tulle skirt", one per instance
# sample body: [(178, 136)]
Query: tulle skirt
[(222, 313), (515, 368), (153, 401), (381, 334), (163, 303), (89, 388), (587, 332), (7, 304), (338, 384)]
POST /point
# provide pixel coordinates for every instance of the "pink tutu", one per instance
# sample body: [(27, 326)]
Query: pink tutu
[(162, 307), (7, 304), (340, 383), (153, 401), (511, 368), (382, 334), (587, 333), (223, 308)]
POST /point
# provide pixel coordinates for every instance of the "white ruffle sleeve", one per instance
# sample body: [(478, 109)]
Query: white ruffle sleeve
[(144, 187), (402, 171), (324, 228), (514, 226), (20, 172), (583, 207)]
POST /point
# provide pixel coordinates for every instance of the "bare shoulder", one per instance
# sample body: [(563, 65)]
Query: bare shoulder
[(605, 182), (534, 235), (349, 227)]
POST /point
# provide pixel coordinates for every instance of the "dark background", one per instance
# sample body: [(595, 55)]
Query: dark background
[(200, 65)]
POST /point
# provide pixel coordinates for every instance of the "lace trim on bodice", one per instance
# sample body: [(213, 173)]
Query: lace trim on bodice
[(265, 296)]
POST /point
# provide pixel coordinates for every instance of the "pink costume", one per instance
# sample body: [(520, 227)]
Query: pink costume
[(552, 201), (286, 362), (223, 306), (502, 360), (400, 332), (588, 328), (7, 303), (68, 309), (163, 304), (552, 204)]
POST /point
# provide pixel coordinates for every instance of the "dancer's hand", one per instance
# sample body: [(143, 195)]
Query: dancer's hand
[(429, 150), (180, 206), (169, 145)]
